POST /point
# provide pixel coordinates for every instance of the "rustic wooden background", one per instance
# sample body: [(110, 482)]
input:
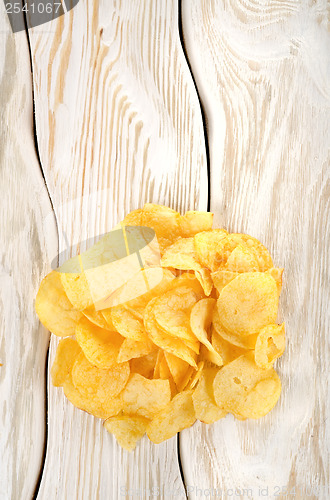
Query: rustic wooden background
[(220, 104)]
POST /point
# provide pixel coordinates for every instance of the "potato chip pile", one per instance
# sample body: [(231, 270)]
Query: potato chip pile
[(198, 345)]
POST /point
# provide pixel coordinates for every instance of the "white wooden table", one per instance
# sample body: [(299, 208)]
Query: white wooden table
[(219, 104)]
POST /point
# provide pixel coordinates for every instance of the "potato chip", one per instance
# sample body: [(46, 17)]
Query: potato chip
[(246, 342), (181, 255), (206, 247), (200, 321), (276, 273), (176, 416), (172, 313), (179, 369), (243, 259), (54, 309), (222, 277), (206, 409), (248, 303), (145, 397), (128, 323), (165, 341), (144, 365), (225, 349), (77, 290), (66, 354), (134, 349), (134, 218), (232, 240), (195, 376), (193, 222), (91, 404), (270, 345), (97, 382), (97, 318), (127, 429), (164, 221), (100, 347), (244, 388)]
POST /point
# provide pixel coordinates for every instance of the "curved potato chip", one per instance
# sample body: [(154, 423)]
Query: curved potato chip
[(176, 416), (200, 321), (134, 349), (206, 247), (195, 376), (270, 345), (193, 222), (181, 255), (127, 429), (128, 323), (66, 354), (276, 273), (179, 370), (247, 342), (145, 397), (53, 307), (77, 290), (144, 365), (221, 278), (100, 347), (226, 350), (206, 409), (93, 382), (232, 240), (172, 313), (244, 388), (97, 318), (164, 340), (243, 259), (89, 404), (248, 303)]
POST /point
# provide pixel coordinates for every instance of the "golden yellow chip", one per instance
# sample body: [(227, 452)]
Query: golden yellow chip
[(195, 376), (54, 309), (134, 218), (276, 273), (176, 416), (193, 222), (246, 342), (127, 429), (100, 347), (206, 246), (128, 323), (77, 290), (270, 345), (248, 303), (245, 389), (221, 278), (66, 354), (200, 321), (181, 255), (90, 404), (243, 259), (134, 349), (97, 318), (206, 409), (144, 365), (145, 397), (180, 370), (232, 240), (97, 382), (164, 340), (225, 349)]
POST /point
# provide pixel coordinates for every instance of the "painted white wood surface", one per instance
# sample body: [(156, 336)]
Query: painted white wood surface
[(263, 73), (25, 246), (118, 124)]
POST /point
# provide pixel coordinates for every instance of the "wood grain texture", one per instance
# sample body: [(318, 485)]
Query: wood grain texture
[(118, 125), (27, 237), (263, 73)]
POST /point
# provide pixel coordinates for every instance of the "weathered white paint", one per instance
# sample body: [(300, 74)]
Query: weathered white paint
[(118, 125), (263, 73), (24, 248)]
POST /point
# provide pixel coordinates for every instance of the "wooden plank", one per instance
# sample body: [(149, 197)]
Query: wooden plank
[(28, 237), (118, 125), (262, 71)]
